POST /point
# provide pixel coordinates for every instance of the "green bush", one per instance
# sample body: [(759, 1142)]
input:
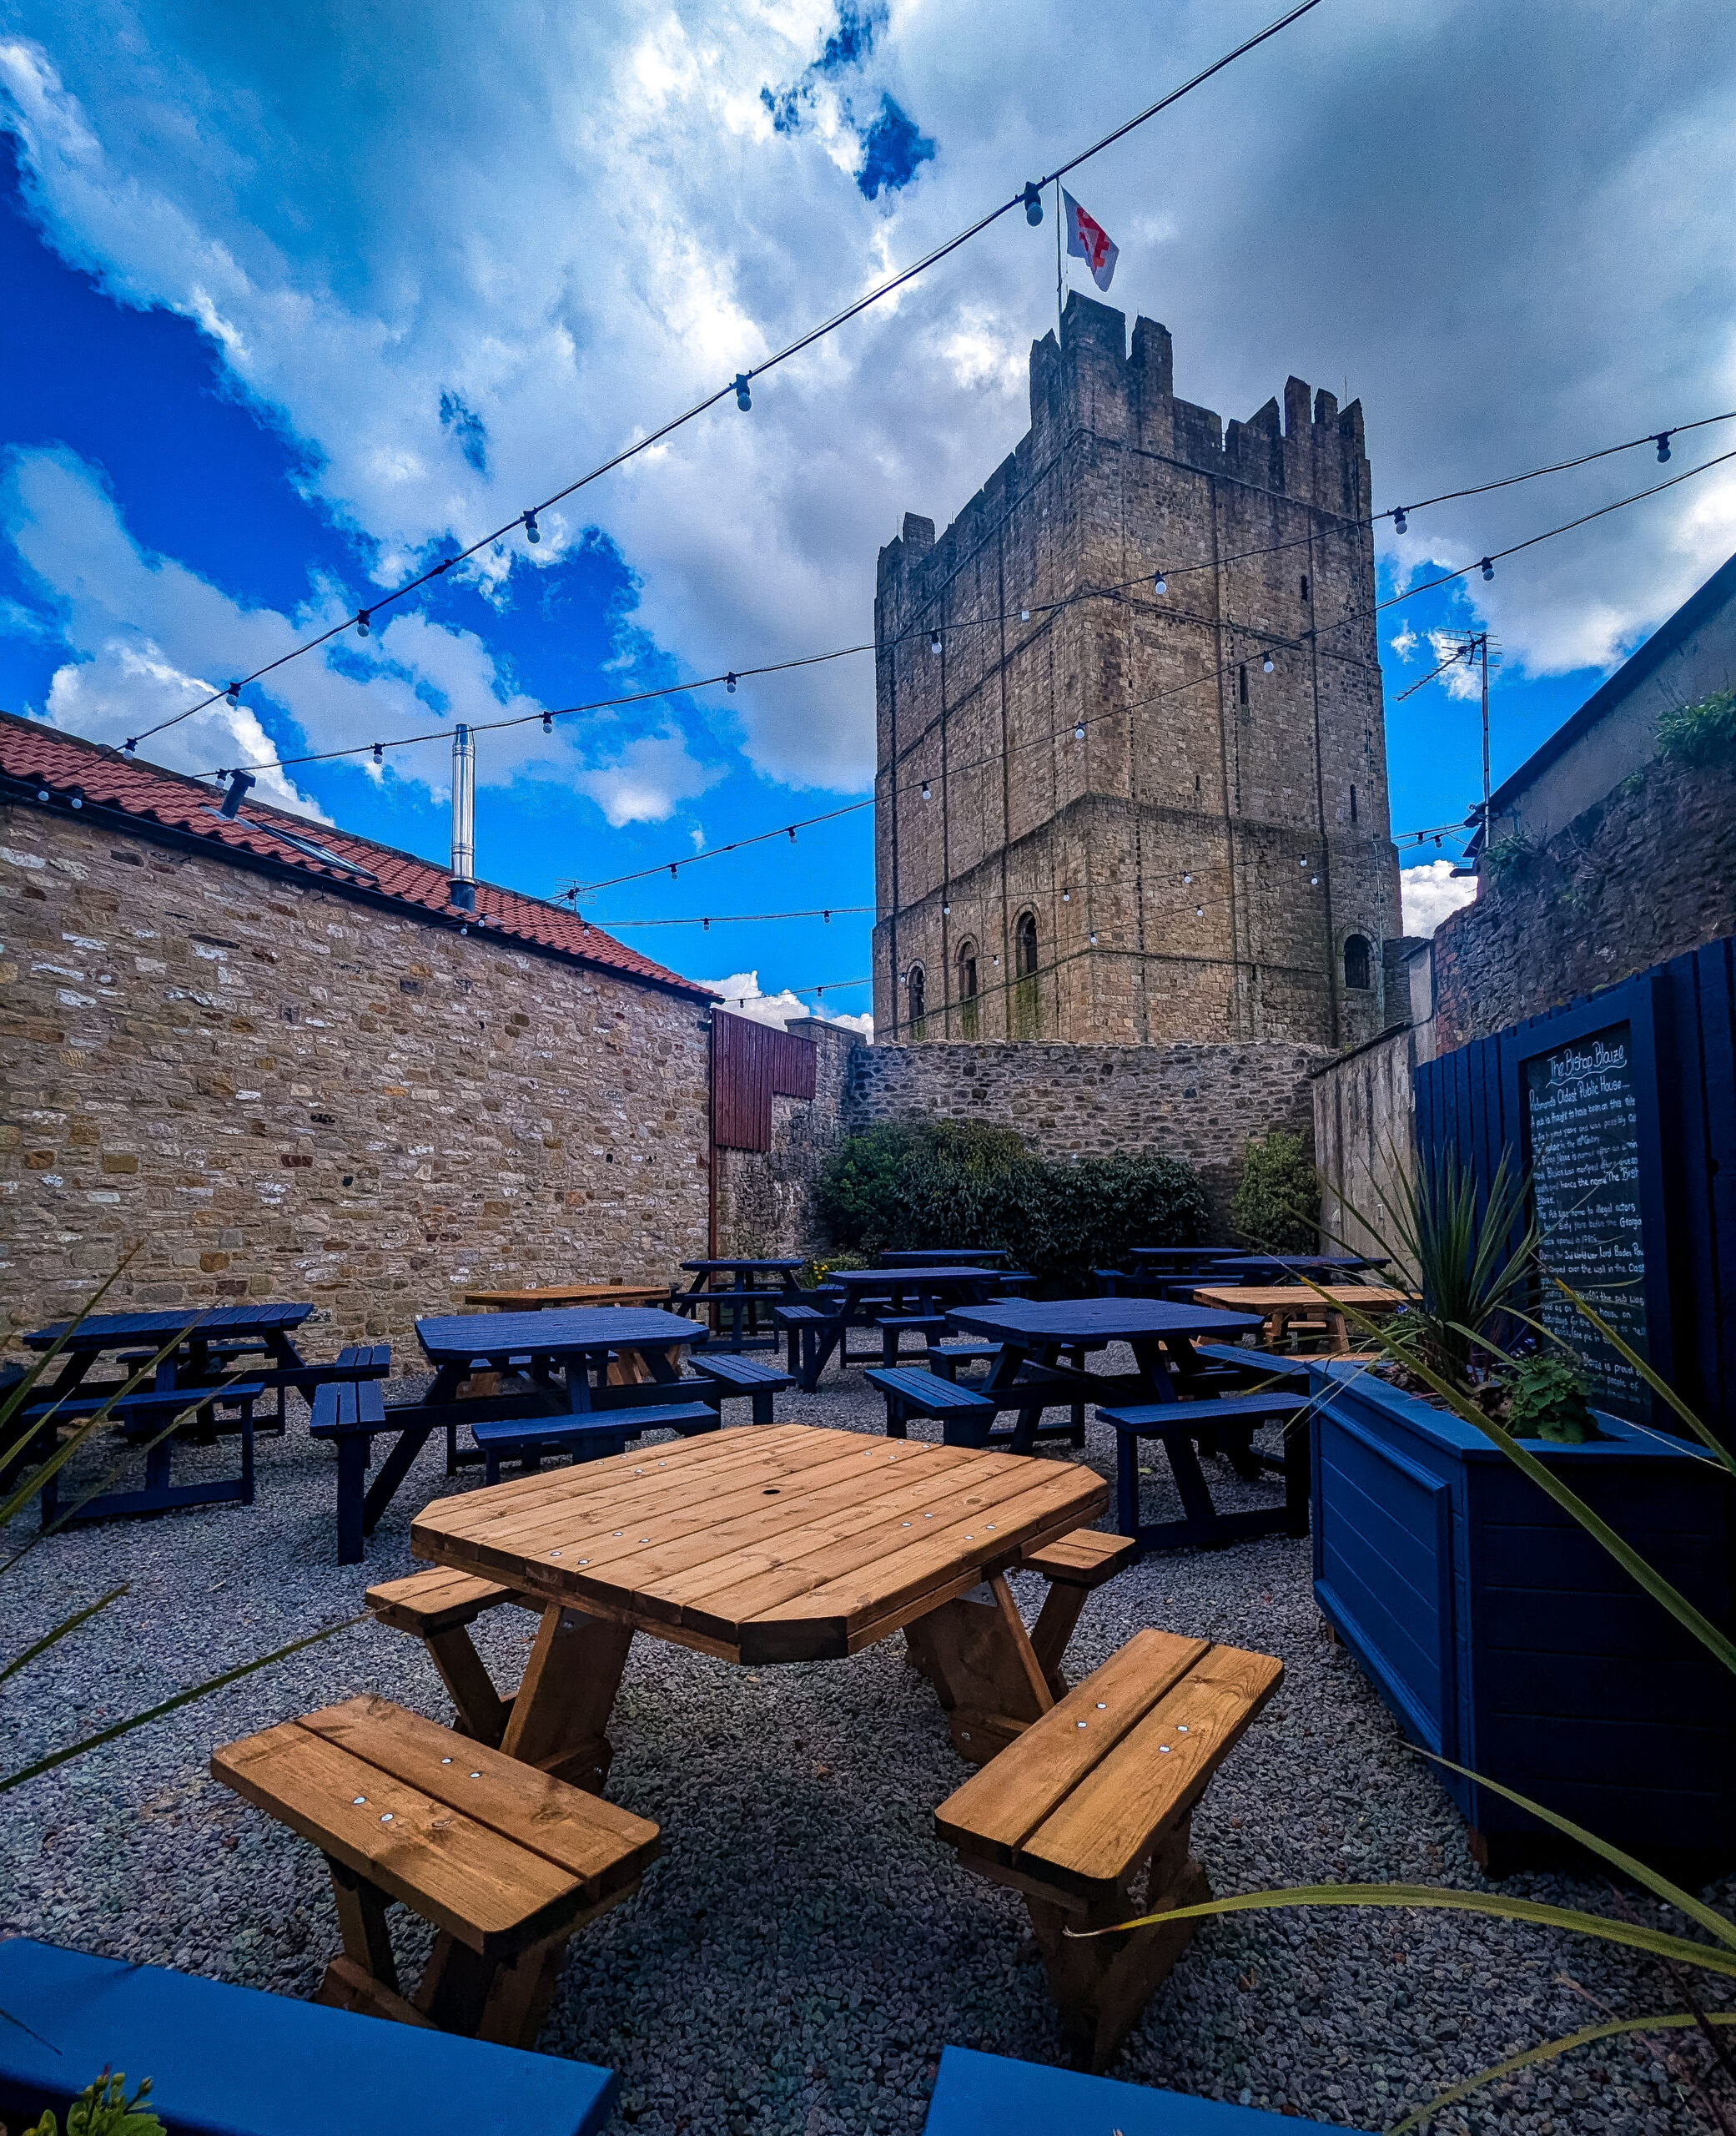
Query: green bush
[(919, 1183), (1508, 857), (1703, 732), (1546, 1399), (814, 1272), (1277, 1205)]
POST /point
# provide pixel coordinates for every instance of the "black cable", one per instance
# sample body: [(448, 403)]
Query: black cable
[(738, 384)]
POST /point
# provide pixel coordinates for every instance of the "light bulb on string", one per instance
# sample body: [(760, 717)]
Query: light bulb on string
[(1066, 897), (234, 694), (946, 912), (1025, 614), (363, 616), (729, 683), (548, 723), (1488, 567), (1033, 198), (925, 789), (673, 865), (379, 753), (1158, 584), (1199, 912), (1078, 731), (1093, 937), (934, 643), (1663, 445), (1267, 664), (532, 531), (744, 399), (1398, 520), (1187, 879), (793, 833)]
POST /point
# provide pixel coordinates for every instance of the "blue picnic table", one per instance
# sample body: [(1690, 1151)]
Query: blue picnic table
[(930, 1256), (864, 1298), (745, 1289), (235, 1353), (978, 2094), (1173, 1394)]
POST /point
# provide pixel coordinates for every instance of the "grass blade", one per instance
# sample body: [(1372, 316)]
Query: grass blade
[(69, 1625), (186, 1698), (1438, 1897), (1673, 2021), (1659, 1386)]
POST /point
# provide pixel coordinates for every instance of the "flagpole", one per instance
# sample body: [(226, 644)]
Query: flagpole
[(1059, 309)]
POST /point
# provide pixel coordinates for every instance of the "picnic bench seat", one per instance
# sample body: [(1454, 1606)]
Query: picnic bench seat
[(977, 2094), (946, 1357), (438, 1607), (1177, 1424), (799, 1325), (911, 1393), (144, 1417), (1073, 1565), (349, 1412), (227, 2061), (750, 1375), (892, 1327), (590, 1436), (505, 1861), (1096, 1796)]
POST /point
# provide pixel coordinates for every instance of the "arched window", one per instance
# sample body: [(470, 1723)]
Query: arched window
[(918, 986), (968, 1007), (1356, 955), (1025, 983)]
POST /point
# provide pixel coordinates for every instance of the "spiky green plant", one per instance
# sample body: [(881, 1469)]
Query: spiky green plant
[(1720, 1955), (103, 2109)]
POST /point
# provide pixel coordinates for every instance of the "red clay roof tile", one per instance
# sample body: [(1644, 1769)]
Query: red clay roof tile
[(64, 761)]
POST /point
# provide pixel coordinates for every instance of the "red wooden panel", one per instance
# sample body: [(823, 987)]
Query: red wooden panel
[(750, 1063)]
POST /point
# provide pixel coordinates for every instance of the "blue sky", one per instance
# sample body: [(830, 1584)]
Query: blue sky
[(284, 315)]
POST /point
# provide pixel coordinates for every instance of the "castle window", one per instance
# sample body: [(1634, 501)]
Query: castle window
[(968, 1006), (918, 986), (1356, 954), (1241, 683), (1353, 804), (1026, 1015), (1305, 586)]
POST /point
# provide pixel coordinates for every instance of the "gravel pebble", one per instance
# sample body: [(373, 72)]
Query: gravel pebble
[(804, 1947)]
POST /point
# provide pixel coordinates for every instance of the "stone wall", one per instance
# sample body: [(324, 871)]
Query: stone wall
[(1365, 1136), (1200, 1103), (766, 1198), (1646, 875), (272, 1089)]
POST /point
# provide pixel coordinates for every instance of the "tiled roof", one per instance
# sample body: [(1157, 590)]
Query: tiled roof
[(62, 763)]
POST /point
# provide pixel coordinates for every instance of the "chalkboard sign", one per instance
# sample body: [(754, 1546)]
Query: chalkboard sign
[(1583, 1126)]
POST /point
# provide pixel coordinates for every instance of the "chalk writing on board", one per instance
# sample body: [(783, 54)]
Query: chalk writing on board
[(1584, 1140)]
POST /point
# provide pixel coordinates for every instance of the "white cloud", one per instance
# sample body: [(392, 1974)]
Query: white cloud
[(573, 261), (1429, 893), (136, 624), (1462, 678), (1404, 644), (742, 997)]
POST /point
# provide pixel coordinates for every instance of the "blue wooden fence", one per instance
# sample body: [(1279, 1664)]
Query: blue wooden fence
[(1683, 1015)]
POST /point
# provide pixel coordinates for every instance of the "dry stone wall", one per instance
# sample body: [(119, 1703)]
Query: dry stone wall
[(270, 1090)]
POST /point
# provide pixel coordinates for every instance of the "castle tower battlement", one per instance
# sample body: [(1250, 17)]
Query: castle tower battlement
[(1133, 833)]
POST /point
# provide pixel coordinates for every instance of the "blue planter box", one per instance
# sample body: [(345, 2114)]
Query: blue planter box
[(1503, 1637)]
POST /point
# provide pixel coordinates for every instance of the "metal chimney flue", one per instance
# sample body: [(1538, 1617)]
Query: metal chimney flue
[(464, 820)]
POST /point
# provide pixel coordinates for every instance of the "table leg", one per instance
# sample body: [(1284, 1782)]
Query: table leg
[(979, 1658), (566, 1695)]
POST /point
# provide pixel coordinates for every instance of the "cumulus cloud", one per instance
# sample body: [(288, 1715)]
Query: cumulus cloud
[(557, 229), (1429, 893), (741, 996), (149, 637)]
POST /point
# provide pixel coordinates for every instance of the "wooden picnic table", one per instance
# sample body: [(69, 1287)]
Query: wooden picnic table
[(747, 1288), (550, 1297), (1281, 1268), (1279, 1304), (770, 1543), (253, 1342)]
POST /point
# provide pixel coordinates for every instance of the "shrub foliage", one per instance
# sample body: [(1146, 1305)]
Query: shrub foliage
[(1703, 732), (919, 1183), (1276, 1204)]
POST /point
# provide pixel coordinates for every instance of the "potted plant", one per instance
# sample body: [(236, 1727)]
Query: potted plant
[(1500, 1631)]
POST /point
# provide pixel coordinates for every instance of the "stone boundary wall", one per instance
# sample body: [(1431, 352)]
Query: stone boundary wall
[(1365, 1135), (1648, 873), (1201, 1103), (765, 1198), (277, 1091)]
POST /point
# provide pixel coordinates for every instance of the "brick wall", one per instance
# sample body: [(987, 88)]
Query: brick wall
[(274, 1090), (1647, 874), (1200, 1103)]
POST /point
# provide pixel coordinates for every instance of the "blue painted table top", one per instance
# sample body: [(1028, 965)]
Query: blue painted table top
[(227, 2061), (743, 1266), (991, 2095), (908, 1278), (1094, 1321), (456, 1338), (110, 1330)]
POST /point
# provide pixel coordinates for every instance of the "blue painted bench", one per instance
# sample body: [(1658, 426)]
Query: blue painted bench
[(349, 1412), (946, 1357), (588, 1437), (963, 1415), (228, 2061), (739, 1375), (1178, 1424), (144, 1417), (989, 2095)]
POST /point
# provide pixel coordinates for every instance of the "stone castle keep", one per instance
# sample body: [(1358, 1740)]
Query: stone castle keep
[(1098, 818)]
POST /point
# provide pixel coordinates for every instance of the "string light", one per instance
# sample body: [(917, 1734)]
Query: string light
[(1033, 198), (548, 723), (379, 753), (1663, 445), (1066, 897), (1398, 520), (934, 642), (1488, 567), (744, 399), (1025, 614), (729, 683), (532, 531), (925, 789), (1187, 879), (1078, 731), (363, 618), (1159, 584), (234, 694), (1267, 664)]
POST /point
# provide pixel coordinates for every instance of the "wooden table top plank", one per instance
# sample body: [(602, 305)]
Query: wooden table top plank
[(603, 1845), (461, 1875), (1163, 1761), (673, 1503), (999, 1808), (866, 1518), (1276, 1297), (957, 1557), (534, 1297)]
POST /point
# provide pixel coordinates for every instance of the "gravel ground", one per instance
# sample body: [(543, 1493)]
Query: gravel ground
[(804, 1948)]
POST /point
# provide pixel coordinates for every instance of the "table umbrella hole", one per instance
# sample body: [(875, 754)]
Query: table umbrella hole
[(770, 1491)]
